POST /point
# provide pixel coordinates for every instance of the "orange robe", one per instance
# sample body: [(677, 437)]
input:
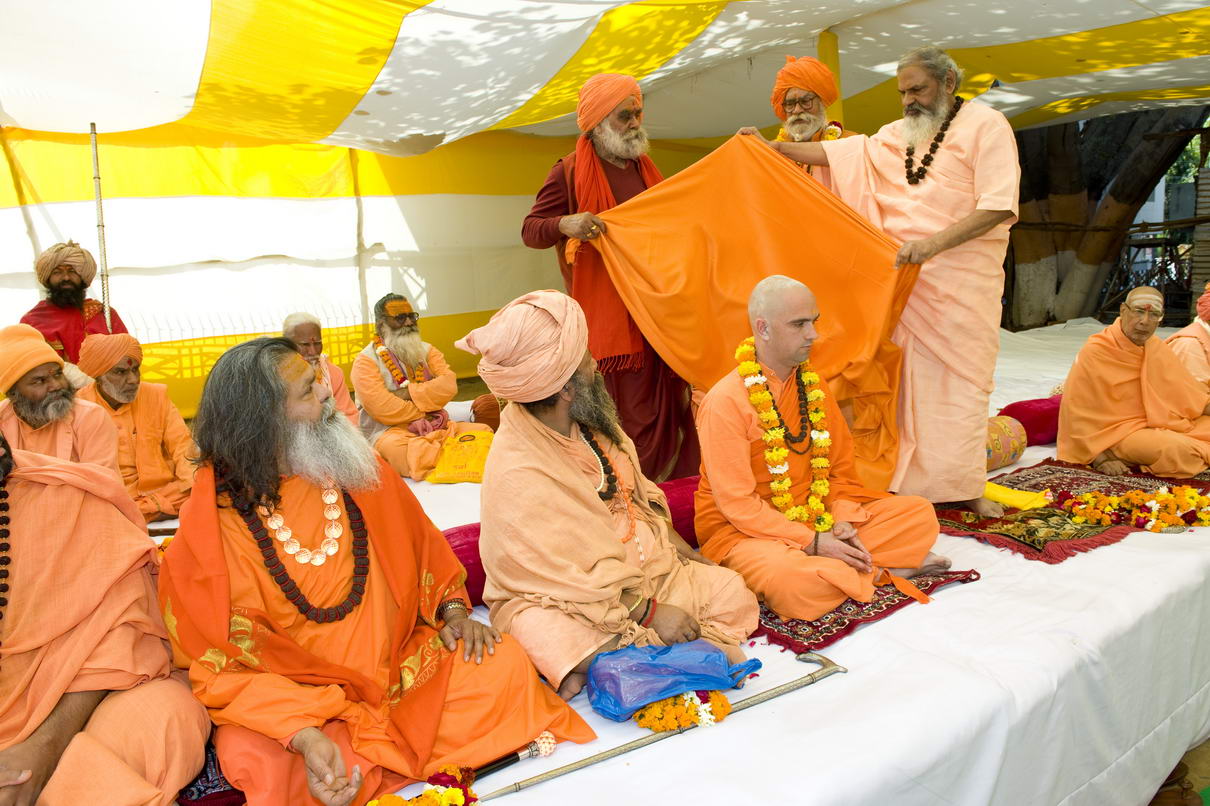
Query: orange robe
[(379, 683), (86, 620), (385, 417), (86, 435), (1192, 346), (154, 446), (561, 596), (1139, 402), (739, 528), (950, 328), (333, 377)]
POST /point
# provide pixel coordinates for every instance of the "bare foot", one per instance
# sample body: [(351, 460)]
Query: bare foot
[(572, 684), (984, 508), (933, 564)]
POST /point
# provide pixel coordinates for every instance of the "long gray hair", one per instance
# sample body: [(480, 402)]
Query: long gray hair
[(934, 61)]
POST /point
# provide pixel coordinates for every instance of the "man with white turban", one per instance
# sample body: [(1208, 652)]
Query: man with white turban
[(580, 554), (66, 316), (154, 444), (610, 166)]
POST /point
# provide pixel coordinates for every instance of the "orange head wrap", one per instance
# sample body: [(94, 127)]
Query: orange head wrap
[(101, 352), (1203, 305), (600, 94), (66, 254), (531, 347), (21, 349), (807, 74)]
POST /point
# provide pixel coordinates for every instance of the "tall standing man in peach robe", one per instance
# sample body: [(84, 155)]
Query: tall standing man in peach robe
[(88, 711), (318, 610), (403, 385), (1128, 400), (306, 332), (154, 444), (1192, 342), (803, 90), (610, 166), (800, 568), (43, 413), (944, 180), (577, 544)]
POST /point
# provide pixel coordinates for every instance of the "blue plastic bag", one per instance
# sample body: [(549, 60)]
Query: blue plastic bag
[(623, 681)]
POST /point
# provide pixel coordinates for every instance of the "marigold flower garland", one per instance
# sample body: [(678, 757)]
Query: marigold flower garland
[(814, 512), (449, 786), (831, 131), (1150, 511), (684, 710), (388, 359)]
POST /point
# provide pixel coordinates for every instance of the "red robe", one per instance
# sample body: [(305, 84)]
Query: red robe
[(65, 328)]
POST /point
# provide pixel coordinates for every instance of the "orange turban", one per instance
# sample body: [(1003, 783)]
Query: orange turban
[(807, 74), (101, 352), (531, 347), (22, 348), (66, 254), (600, 94), (1203, 305)]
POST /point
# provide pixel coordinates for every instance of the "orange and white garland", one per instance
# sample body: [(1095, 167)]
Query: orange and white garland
[(815, 512), (388, 359), (831, 131)]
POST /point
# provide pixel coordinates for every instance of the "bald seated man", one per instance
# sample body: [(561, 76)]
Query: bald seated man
[(1130, 402), (779, 499)]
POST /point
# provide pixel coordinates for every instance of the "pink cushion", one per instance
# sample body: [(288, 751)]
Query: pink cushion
[(1039, 417), (464, 540)]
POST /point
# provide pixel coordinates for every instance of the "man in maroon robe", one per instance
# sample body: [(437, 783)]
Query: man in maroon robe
[(66, 316), (609, 166)]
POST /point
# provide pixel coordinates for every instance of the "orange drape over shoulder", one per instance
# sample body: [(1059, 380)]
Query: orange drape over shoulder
[(684, 257)]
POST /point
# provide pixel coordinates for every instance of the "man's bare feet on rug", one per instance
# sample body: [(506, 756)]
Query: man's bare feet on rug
[(933, 564), (1109, 464), (572, 684), (984, 507)]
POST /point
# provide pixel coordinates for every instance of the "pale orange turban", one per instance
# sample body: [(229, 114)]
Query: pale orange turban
[(22, 348), (66, 254), (1203, 305), (531, 347), (101, 352), (807, 74), (600, 94)]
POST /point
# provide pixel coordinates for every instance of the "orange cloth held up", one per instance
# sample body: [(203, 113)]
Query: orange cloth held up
[(601, 94), (101, 352), (808, 74), (1117, 390), (687, 286)]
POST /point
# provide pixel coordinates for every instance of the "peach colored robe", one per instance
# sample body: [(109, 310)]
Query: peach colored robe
[(739, 528), (558, 559), (1192, 346), (333, 377), (950, 328), (87, 435), (388, 415), (1139, 402), (154, 446), (489, 709), (86, 620)]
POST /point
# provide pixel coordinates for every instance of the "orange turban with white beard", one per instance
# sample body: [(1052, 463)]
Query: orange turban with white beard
[(101, 352), (808, 74), (600, 94)]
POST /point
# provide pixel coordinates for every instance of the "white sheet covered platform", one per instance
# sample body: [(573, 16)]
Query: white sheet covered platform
[(1077, 683)]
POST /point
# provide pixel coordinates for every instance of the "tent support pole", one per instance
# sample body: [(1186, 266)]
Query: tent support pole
[(96, 184), (363, 256)]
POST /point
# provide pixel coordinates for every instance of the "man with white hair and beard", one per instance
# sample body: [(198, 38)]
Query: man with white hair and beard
[(42, 413), (610, 166), (403, 385), (943, 180), (305, 331), (803, 90), (318, 610)]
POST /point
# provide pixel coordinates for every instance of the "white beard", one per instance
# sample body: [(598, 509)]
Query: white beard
[(629, 146), (921, 128), (330, 451), (406, 345), (803, 126)]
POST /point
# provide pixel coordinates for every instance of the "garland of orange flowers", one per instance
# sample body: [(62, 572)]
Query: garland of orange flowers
[(831, 131), (388, 359), (449, 786), (815, 511), (684, 710), (1149, 511)]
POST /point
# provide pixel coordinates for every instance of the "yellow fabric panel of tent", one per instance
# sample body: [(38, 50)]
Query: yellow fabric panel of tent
[(1067, 106)]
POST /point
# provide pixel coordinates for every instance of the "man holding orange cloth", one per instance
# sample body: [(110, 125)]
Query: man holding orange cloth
[(609, 166), (803, 90)]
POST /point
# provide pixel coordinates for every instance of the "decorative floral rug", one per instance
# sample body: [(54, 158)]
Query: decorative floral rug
[(210, 788), (1048, 534), (811, 636)]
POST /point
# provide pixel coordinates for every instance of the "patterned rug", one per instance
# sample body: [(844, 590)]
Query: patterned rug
[(1047, 534), (210, 788), (812, 636)]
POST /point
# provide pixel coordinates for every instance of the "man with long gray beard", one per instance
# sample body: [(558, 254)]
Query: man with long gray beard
[(803, 90), (579, 551), (403, 385), (943, 180), (609, 166), (66, 316), (42, 413), (154, 444), (319, 611)]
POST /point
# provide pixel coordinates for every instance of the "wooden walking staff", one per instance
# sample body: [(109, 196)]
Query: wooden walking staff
[(96, 183), (826, 669)]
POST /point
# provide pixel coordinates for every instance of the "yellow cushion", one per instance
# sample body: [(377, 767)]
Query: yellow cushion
[(462, 458)]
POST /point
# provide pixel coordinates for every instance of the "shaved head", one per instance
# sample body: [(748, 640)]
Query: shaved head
[(770, 296), (782, 312), (1145, 293), (1141, 314)]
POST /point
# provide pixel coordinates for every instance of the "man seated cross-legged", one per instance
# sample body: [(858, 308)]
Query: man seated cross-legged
[(319, 611), (577, 545), (779, 501)]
